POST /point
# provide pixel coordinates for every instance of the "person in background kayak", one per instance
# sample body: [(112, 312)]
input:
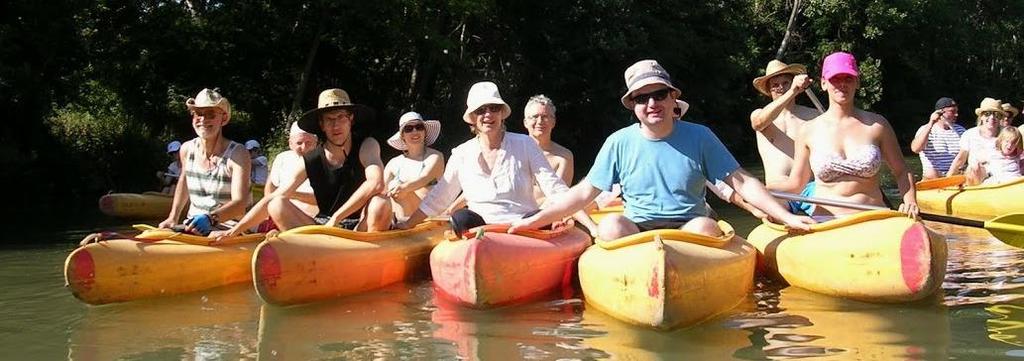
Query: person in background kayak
[(662, 165), (844, 148), (1006, 165), (978, 144), (777, 124), (410, 175), (495, 170), (938, 141), (300, 142), (1011, 114), (169, 178), (344, 170), (259, 162), (215, 170), (539, 119)]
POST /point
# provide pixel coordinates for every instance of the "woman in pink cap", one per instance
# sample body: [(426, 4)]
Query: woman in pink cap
[(844, 148)]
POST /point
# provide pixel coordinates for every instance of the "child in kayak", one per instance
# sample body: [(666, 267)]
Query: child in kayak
[(1005, 166)]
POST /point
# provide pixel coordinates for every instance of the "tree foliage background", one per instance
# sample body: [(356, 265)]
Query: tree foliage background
[(92, 90)]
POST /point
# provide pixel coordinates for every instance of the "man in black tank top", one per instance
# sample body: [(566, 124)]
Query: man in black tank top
[(345, 172)]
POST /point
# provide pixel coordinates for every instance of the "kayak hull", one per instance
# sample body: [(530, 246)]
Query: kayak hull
[(149, 205), (498, 268), (981, 202), (316, 263), (668, 279), (874, 256)]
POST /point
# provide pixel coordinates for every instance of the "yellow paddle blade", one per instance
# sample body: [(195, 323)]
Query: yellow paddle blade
[(943, 182), (1008, 228)]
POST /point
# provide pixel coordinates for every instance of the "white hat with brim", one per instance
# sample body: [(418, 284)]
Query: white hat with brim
[(433, 130), (683, 107), (331, 99), (774, 69), (644, 73), (481, 94), (209, 98), (990, 105), (1011, 110)]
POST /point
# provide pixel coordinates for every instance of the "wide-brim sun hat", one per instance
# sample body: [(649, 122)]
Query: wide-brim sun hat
[(775, 68), (481, 94), (433, 129), (989, 105), (331, 99), (1011, 110), (839, 63), (641, 74), (209, 98), (683, 107)]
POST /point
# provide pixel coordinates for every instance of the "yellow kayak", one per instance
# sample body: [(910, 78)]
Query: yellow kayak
[(316, 263), (873, 256), (149, 205), (668, 278), (157, 262), (980, 202)]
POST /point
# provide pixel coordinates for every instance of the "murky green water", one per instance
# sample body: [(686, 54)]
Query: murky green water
[(980, 315)]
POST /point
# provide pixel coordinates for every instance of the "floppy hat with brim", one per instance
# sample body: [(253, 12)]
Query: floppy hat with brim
[(774, 68), (683, 107), (481, 94), (1010, 110), (332, 99), (989, 105), (433, 130), (643, 73), (209, 98)]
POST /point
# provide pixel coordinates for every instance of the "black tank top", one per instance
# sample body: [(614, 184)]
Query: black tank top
[(332, 187)]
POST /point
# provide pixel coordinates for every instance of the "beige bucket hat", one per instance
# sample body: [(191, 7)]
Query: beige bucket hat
[(481, 94), (774, 68), (332, 99), (209, 98), (642, 73), (990, 105), (433, 130), (1010, 110)]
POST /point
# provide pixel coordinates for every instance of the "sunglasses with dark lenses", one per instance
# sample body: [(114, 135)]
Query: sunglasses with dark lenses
[(657, 95), (493, 108), (997, 115), (413, 127)]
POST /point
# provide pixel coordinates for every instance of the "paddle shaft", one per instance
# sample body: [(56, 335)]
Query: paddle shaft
[(814, 99), (851, 205)]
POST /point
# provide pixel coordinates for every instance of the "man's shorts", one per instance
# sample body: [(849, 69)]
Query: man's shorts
[(801, 208), (347, 223), (661, 224)]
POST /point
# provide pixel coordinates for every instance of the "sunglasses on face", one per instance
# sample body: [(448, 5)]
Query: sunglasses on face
[(493, 108), (413, 127), (657, 95), (996, 115)]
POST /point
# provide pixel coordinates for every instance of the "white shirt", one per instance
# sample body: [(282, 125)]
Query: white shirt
[(980, 149), (287, 162), (504, 195)]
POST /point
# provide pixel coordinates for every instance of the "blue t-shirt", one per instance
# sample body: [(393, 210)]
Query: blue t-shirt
[(662, 179)]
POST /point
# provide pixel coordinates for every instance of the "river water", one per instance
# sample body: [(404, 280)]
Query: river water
[(980, 315)]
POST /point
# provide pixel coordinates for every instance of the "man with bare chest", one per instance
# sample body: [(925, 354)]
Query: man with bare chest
[(779, 122)]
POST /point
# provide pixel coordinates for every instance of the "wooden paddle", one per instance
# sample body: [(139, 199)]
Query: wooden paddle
[(1008, 228)]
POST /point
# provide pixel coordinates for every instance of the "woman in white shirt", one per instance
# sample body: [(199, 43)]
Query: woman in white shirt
[(978, 144), (409, 176), (495, 171)]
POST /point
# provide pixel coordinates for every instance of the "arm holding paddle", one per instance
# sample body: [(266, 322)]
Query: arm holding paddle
[(259, 212), (761, 118), (921, 137), (751, 189), (373, 168), (904, 180)]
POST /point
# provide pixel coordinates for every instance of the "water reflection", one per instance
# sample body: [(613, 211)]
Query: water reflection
[(981, 269), (215, 324)]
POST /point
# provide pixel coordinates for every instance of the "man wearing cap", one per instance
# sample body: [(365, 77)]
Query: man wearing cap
[(215, 181), (169, 178), (259, 162), (778, 123), (662, 165), (300, 142), (345, 172), (938, 141)]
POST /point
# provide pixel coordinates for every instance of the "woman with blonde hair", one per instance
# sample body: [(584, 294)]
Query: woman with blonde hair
[(978, 144)]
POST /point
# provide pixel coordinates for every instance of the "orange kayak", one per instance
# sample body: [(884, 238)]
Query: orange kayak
[(149, 205), (317, 263), (493, 268)]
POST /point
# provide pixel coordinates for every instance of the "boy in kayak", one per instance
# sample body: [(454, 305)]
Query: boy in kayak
[(344, 170), (662, 165), (215, 170), (169, 178)]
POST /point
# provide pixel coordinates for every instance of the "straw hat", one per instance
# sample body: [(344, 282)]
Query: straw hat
[(483, 93), (1009, 108), (332, 99), (774, 68), (642, 73), (989, 105), (433, 130), (209, 98)]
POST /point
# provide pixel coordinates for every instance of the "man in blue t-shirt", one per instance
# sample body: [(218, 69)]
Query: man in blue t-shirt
[(661, 164)]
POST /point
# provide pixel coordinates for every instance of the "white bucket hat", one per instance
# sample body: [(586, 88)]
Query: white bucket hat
[(433, 130), (642, 73), (683, 107), (209, 98), (296, 131), (483, 93), (173, 146)]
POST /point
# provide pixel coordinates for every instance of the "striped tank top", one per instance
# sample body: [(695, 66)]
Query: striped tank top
[(207, 189), (942, 146)]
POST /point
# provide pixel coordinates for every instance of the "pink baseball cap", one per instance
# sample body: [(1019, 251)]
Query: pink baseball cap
[(839, 63)]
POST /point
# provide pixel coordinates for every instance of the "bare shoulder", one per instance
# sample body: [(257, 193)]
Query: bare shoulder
[(240, 155), (560, 151), (369, 144)]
